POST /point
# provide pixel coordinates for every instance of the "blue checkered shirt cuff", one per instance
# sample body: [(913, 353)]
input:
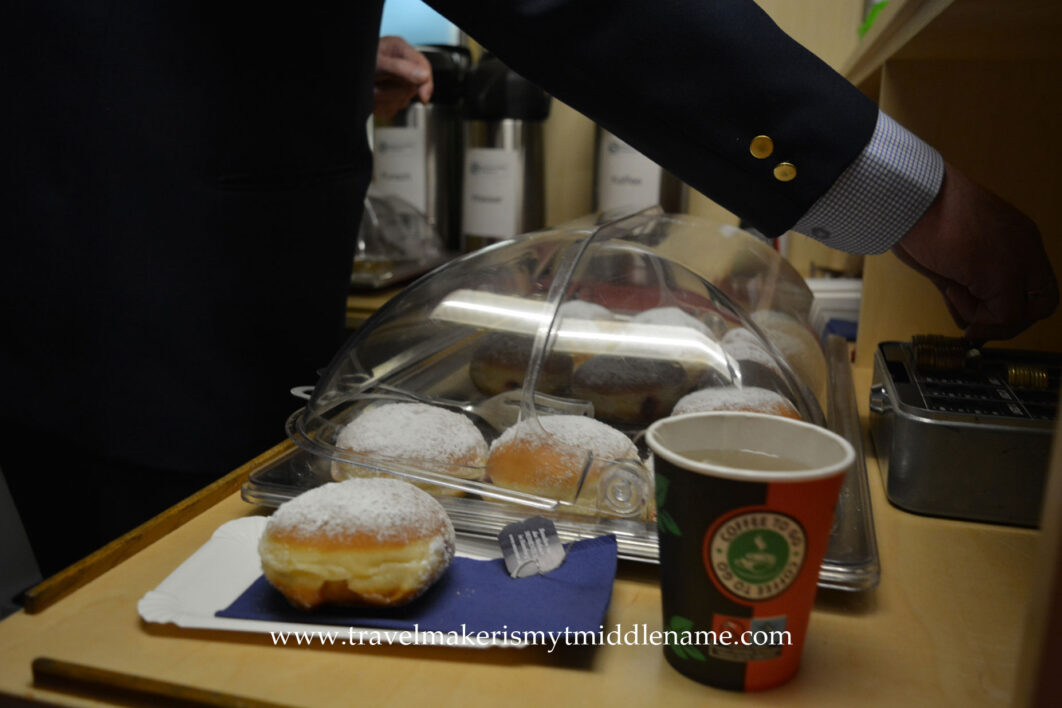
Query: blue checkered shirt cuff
[(880, 196)]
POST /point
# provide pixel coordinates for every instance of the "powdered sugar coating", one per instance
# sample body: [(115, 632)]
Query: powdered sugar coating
[(415, 431), (512, 353), (731, 399), (744, 346), (575, 431), (550, 459), (581, 309), (674, 317), (389, 510), (798, 345)]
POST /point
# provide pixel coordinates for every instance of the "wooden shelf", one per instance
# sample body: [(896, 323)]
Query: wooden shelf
[(898, 23), (968, 30)]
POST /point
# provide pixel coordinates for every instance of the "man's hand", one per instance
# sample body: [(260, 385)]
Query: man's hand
[(401, 73), (985, 257)]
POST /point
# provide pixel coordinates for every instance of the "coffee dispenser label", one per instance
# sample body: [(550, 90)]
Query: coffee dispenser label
[(399, 165), (626, 178), (493, 185)]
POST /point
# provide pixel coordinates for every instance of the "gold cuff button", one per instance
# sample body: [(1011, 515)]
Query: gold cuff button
[(761, 147), (784, 171)]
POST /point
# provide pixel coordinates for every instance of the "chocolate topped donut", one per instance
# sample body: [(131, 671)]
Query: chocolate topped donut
[(755, 363), (630, 390), (500, 360)]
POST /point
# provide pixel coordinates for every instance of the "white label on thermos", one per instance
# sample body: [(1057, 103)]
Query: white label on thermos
[(626, 178), (493, 180), (399, 165)]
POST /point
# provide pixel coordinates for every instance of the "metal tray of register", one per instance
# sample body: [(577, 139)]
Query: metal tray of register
[(851, 561), (962, 432)]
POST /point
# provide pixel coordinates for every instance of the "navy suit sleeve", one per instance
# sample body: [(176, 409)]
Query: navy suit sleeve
[(690, 83)]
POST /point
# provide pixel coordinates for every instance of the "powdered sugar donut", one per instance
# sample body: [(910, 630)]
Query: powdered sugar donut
[(677, 317), (428, 437), (749, 398), (743, 345), (799, 347), (547, 456), (581, 320), (756, 364), (707, 325), (584, 310), (377, 542)]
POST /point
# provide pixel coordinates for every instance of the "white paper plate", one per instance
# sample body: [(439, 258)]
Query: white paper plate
[(215, 575)]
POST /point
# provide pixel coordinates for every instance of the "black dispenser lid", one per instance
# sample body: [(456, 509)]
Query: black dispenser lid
[(493, 91), (449, 67)]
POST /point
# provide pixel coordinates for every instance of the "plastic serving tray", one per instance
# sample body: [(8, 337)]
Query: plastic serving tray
[(851, 561)]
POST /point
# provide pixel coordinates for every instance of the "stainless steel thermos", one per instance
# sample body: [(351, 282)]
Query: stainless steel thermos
[(626, 179), (417, 154), (503, 190)]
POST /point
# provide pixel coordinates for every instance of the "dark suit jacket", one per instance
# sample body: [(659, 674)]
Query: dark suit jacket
[(186, 183), (179, 225), (689, 83)]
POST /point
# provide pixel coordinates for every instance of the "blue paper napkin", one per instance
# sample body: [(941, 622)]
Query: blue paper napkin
[(473, 596)]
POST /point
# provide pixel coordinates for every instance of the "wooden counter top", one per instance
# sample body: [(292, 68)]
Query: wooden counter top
[(944, 627)]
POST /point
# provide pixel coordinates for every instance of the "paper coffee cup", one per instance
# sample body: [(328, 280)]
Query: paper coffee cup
[(745, 505)]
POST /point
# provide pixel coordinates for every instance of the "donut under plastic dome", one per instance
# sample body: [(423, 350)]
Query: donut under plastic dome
[(608, 323)]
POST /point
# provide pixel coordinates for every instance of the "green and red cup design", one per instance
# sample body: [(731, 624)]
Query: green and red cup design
[(741, 546)]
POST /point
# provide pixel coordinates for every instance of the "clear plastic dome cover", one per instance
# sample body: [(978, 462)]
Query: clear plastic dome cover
[(526, 372), (394, 240)]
